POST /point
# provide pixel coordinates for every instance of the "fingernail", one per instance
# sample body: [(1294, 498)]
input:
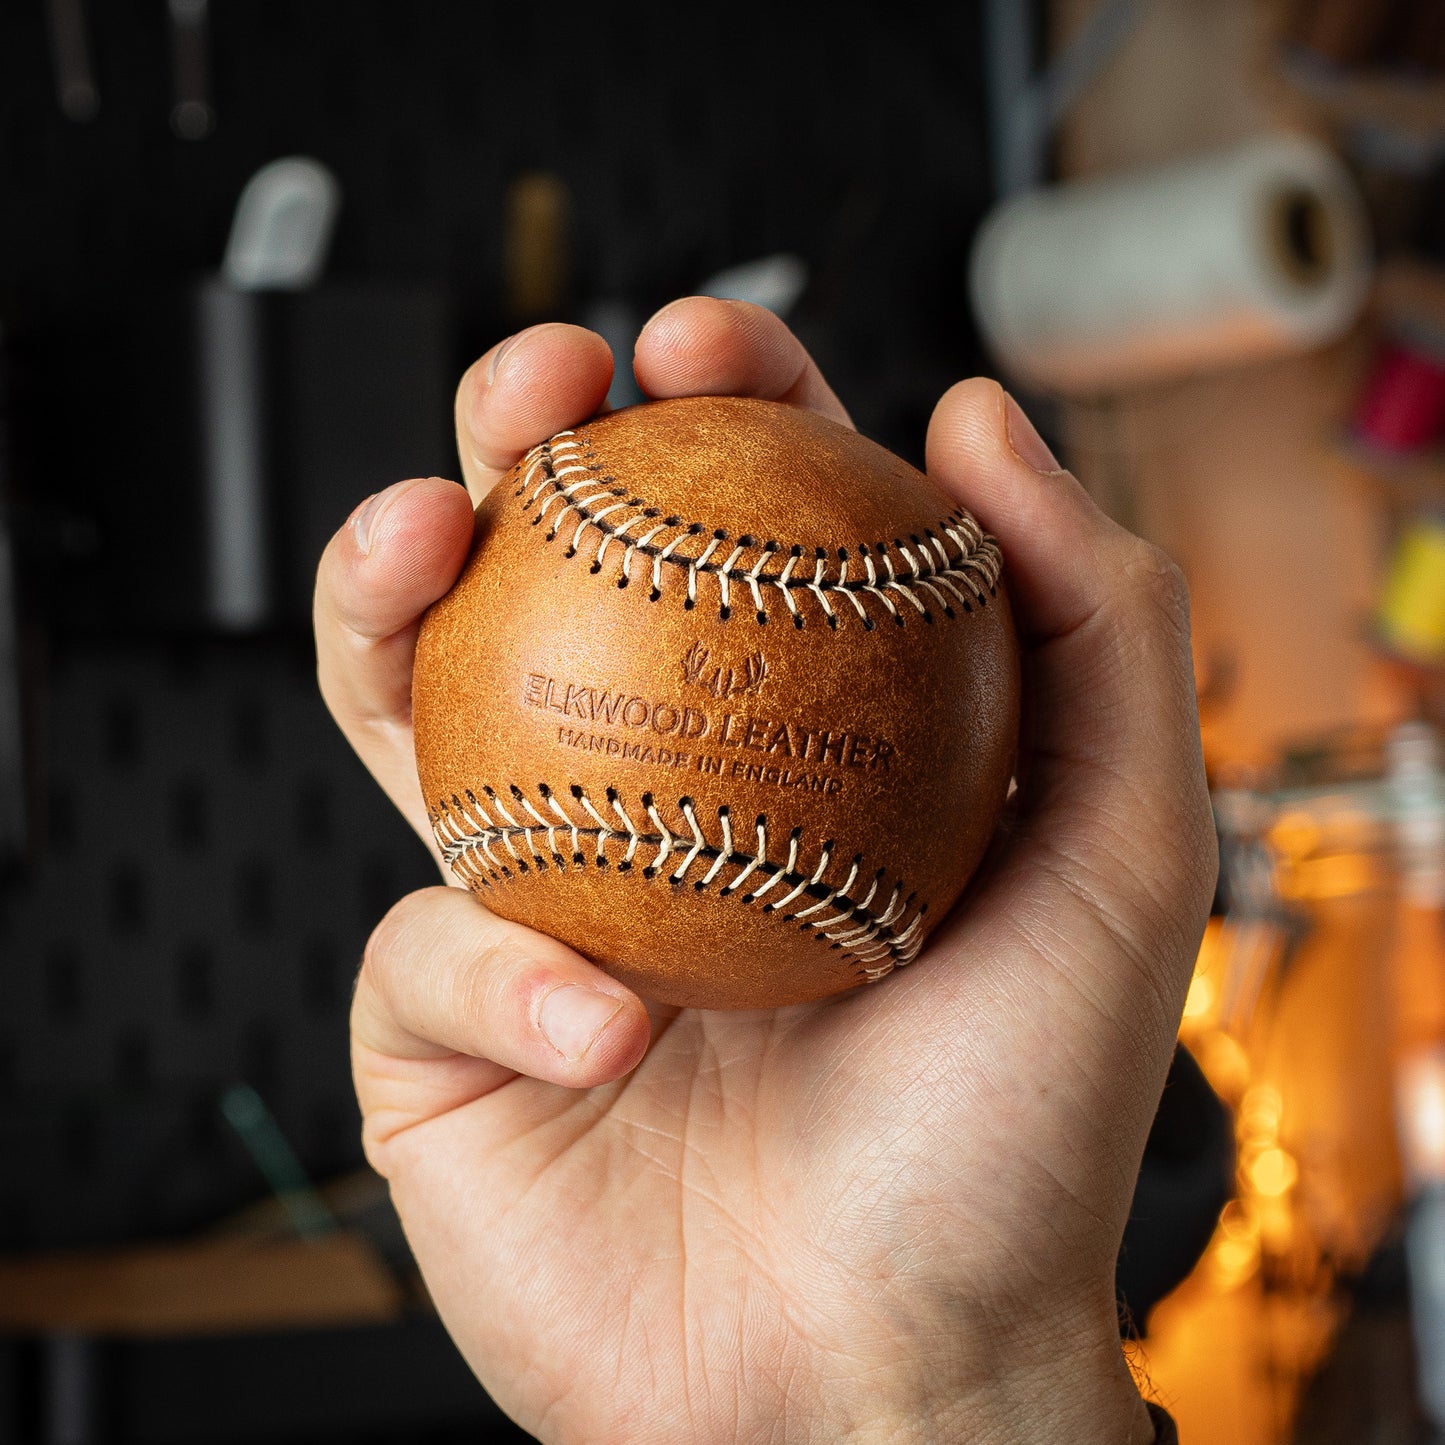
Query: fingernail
[(363, 520), (571, 1017), (499, 355), (1024, 442)]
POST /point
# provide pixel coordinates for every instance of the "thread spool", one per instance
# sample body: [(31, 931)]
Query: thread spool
[(1410, 618), (1403, 406), (1107, 283)]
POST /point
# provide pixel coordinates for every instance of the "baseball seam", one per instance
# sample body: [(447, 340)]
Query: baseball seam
[(559, 471), (487, 840)]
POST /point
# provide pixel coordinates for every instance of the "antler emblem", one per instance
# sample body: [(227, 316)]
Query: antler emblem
[(723, 682)]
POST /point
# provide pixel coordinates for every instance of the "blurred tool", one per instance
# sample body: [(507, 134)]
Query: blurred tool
[(1410, 617), (75, 87), (1117, 281), (1414, 778), (192, 115), (282, 228), (773, 282), (246, 1112), (1023, 107), (535, 253), (278, 242), (1403, 407), (14, 783)]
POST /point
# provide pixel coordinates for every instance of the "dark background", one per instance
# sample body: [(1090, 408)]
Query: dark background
[(200, 858), (205, 860)]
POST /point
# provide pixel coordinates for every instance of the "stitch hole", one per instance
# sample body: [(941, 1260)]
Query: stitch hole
[(624, 866), (821, 553), (688, 604), (571, 551), (649, 872), (798, 621), (652, 511), (948, 611), (516, 792), (647, 800), (578, 858), (720, 534), (898, 620), (869, 624), (795, 550), (560, 861), (612, 795), (833, 621), (762, 619), (654, 595), (926, 615), (622, 582), (843, 552), (694, 528), (595, 568), (545, 791), (724, 614), (507, 872), (746, 540), (576, 791), (672, 521), (601, 861)]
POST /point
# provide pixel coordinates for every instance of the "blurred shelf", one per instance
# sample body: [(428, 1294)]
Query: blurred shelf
[(1412, 481), (1410, 109)]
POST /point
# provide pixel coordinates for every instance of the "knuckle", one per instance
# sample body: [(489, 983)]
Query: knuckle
[(1156, 581), (392, 935)]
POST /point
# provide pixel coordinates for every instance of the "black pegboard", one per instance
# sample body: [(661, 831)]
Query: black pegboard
[(213, 859), (209, 858)]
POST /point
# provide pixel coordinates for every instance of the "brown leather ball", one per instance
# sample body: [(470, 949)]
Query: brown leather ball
[(726, 698)]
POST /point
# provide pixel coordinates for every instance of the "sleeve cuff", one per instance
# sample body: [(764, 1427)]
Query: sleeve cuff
[(1165, 1431)]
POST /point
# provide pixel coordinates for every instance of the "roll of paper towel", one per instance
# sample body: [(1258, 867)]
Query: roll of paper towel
[(1101, 284)]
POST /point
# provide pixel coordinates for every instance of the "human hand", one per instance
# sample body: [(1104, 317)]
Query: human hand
[(888, 1216)]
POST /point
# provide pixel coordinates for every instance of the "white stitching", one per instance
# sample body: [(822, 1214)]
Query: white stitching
[(975, 570), (466, 833)]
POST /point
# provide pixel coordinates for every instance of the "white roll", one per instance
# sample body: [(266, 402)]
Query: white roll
[(1236, 256)]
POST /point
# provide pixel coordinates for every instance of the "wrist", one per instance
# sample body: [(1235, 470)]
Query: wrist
[(1064, 1381)]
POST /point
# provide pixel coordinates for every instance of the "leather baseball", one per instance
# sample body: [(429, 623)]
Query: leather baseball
[(726, 698)]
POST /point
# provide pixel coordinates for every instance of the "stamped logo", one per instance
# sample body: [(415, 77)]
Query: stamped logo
[(721, 681), (738, 740)]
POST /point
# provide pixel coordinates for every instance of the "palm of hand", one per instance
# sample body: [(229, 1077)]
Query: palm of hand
[(819, 1183)]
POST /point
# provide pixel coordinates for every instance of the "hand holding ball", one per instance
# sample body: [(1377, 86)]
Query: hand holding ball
[(726, 698)]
